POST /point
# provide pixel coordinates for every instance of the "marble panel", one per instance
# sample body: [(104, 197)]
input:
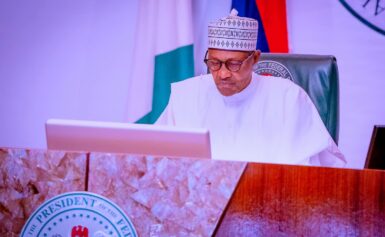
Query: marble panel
[(166, 196), (30, 177)]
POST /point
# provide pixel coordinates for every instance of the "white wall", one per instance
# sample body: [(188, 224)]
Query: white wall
[(71, 59), (326, 27), (62, 59)]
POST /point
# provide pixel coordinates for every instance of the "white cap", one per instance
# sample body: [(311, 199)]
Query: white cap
[(233, 33)]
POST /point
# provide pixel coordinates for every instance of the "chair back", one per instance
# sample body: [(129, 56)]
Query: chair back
[(316, 74)]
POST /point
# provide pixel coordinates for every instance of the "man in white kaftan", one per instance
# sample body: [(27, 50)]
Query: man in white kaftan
[(272, 120), (250, 117)]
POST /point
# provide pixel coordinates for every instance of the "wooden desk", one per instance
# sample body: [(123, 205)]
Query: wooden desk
[(281, 200), (198, 197)]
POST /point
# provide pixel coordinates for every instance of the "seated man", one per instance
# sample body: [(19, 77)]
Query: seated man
[(250, 117)]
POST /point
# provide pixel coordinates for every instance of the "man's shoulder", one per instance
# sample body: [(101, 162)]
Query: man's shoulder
[(277, 81), (279, 84), (197, 82), (283, 89), (190, 94)]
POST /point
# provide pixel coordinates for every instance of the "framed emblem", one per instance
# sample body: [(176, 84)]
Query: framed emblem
[(78, 214), (370, 12)]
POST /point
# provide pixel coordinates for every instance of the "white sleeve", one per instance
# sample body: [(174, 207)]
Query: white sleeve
[(329, 155), (167, 116)]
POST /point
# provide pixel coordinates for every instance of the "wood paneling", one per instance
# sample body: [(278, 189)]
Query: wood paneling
[(275, 200)]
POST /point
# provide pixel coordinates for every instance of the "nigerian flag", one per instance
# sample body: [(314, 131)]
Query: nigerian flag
[(163, 54)]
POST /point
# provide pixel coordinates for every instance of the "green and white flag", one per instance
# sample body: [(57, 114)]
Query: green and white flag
[(163, 54)]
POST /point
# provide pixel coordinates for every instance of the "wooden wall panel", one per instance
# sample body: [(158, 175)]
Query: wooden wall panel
[(275, 200)]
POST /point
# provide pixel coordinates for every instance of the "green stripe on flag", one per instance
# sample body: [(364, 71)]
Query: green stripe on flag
[(170, 67)]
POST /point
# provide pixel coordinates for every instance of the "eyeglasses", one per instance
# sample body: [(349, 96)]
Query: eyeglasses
[(231, 65)]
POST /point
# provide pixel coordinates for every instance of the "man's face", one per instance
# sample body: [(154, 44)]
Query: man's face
[(229, 82)]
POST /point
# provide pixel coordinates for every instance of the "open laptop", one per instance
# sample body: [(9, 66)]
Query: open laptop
[(77, 135), (376, 153)]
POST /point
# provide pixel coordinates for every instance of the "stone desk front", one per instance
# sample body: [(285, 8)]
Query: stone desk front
[(197, 197), (162, 196)]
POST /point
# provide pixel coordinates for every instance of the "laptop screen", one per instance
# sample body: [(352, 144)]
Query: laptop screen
[(376, 153), (143, 139)]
